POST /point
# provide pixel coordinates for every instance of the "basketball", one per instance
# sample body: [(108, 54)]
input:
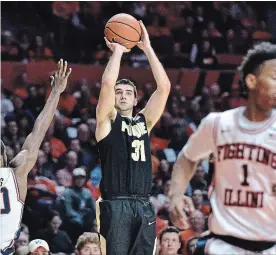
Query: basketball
[(123, 29)]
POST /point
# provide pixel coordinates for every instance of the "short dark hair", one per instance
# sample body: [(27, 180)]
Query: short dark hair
[(127, 82), (170, 229), (254, 59)]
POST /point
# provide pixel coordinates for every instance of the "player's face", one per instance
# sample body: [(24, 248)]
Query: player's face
[(266, 86), (124, 97), (169, 244), (90, 249)]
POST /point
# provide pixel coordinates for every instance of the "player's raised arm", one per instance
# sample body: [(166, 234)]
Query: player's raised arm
[(27, 157), (106, 103), (157, 101), (199, 146)]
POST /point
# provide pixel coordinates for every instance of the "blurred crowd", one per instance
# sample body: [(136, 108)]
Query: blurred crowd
[(63, 186), (184, 34)]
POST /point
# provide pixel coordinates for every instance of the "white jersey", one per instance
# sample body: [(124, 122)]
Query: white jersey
[(244, 196), (11, 210)]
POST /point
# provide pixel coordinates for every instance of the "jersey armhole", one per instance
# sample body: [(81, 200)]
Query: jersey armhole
[(113, 123)]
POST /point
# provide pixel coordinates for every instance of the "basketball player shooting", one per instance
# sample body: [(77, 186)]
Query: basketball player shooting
[(13, 185), (243, 141), (127, 217)]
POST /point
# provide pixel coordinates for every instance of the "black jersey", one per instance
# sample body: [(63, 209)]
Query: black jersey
[(126, 158)]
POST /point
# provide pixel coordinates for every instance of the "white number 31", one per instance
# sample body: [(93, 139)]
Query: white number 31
[(139, 153)]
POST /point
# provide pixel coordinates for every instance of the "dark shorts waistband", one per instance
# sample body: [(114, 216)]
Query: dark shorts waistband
[(257, 246), (125, 197)]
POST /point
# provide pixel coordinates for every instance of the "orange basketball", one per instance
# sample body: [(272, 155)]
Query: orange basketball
[(123, 29)]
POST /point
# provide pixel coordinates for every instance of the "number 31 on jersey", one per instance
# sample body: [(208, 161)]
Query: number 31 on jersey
[(139, 153)]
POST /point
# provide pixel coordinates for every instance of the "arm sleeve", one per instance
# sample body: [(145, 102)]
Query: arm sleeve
[(202, 143)]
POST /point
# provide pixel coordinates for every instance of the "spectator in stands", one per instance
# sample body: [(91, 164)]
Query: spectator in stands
[(11, 136), (198, 201), (61, 130), (206, 59), (79, 205), (88, 244), (64, 176), (38, 51), (198, 181), (23, 240), (38, 247), (58, 240), (6, 106), (24, 45), (45, 167), (197, 222), (191, 245), (170, 241), (9, 47), (10, 153)]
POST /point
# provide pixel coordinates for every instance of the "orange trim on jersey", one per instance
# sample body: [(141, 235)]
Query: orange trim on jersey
[(256, 131), (17, 189)]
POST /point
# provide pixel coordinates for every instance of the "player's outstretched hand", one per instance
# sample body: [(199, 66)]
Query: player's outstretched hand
[(178, 206), (59, 79), (144, 44), (116, 46)]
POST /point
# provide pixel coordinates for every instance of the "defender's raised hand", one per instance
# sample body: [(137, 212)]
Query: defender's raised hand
[(144, 44), (116, 46), (59, 79)]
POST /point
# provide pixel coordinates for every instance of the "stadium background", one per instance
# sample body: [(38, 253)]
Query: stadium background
[(199, 43)]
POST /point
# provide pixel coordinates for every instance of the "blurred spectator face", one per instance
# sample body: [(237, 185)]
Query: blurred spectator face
[(54, 224), (33, 172), (215, 90), (92, 126), (125, 97), (25, 229), (176, 48), (17, 102), (46, 147), (17, 148), (10, 153), (38, 41), (170, 244), (41, 91), (23, 240), (166, 120), (190, 21), (230, 34), (41, 158), (83, 133), (164, 166), (72, 159), (90, 249), (197, 221), (148, 88), (205, 33), (75, 145), (23, 123), (79, 181), (191, 246), (197, 197), (199, 11), (40, 251), (51, 129), (12, 128), (22, 250), (32, 91), (199, 174), (206, 46)]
